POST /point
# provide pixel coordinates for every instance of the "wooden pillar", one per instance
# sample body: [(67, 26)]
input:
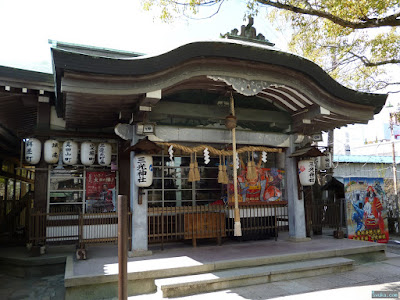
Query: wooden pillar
[(5, 197), (122, 247), (14, 186), (237, 225), (124, 169), (15, 220), (41, 172), (43, 113), (41, 179)]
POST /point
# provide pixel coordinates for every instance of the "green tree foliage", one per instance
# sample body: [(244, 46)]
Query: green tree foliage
[(356, 41)]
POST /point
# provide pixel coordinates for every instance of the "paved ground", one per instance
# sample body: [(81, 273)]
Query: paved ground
[(43, 288), (356, 284)]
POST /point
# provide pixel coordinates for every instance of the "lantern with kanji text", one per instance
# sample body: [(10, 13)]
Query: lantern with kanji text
[(33, 151), (306, 172), (104, 154), (51, 151), (70, 153), (88, 153)]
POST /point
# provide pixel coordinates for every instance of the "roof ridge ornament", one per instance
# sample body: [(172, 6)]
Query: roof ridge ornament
[(248, 34), (241, 85)]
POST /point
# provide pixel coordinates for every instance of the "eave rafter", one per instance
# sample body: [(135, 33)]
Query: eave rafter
[(294, 90), (217, 114)]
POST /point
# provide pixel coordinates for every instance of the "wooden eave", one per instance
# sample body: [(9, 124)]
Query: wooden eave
[(307, 152), (297, 85), (32, 80), (19, 94)]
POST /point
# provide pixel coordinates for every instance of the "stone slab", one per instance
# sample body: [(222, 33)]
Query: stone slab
[(187, 285)]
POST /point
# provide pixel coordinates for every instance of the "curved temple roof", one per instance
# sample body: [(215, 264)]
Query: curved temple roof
[(293, 84)]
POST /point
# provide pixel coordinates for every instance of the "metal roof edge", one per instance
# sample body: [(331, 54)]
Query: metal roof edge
[(365, 159), (86, 49)]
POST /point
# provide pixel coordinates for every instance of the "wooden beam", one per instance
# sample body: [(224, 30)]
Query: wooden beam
[(43, 114), (65, 133), (145, 104), (213, 112), (310, 113), (151, 98)]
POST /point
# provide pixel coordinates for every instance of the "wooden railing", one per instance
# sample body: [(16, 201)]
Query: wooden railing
[(66, 227), (169, 224)]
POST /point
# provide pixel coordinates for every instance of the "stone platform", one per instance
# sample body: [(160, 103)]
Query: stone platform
[(185, 270)]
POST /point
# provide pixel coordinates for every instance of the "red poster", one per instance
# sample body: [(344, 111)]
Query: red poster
[(100, 191)]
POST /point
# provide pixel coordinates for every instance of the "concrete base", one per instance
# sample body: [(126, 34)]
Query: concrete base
[(363, 258), (298, 240), (32, 266), (109, 290), (139, 253), (101, 287)]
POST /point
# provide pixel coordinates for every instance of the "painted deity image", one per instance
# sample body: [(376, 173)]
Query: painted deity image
[(266, 186), (366, 212)]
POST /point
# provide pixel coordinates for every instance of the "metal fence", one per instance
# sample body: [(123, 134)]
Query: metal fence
[(75, 227), (169, 224)]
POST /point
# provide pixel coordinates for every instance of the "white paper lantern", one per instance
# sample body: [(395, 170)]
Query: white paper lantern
[(70, 153), (33, 150), (143, 168), (306, 172), (51, 151), (88, 153), (104, 154), (326, 161)]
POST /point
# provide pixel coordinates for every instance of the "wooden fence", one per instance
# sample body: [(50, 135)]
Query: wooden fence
[(75, 227), (169, 224), (325, 215), (165, 224)]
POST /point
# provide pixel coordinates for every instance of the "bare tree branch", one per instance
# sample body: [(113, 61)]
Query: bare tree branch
[(381, 63), (368, 63), (391, 20), (365, 60), (208, 3), (210, 16)]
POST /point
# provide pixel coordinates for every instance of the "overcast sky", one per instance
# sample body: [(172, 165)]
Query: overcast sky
[(27, 25)]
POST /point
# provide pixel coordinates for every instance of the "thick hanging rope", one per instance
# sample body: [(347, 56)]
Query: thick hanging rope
[(218, 152)]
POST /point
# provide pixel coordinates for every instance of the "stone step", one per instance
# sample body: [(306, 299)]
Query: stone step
[(207, 282), (142, 273)]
